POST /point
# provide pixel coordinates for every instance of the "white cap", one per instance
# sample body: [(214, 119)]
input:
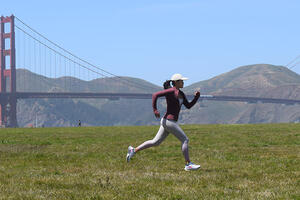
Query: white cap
[(177, 77)]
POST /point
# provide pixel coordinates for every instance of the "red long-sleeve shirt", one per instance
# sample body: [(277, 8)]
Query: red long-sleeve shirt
[(173, 105)]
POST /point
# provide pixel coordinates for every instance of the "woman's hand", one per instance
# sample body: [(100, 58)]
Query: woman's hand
[(157, 114), (197, 93)]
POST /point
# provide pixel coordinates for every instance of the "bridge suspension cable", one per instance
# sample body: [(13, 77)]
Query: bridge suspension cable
[(59, 52), (293, 63), (125, 81)]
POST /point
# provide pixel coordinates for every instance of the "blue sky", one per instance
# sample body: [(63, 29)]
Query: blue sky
[(152, 39)]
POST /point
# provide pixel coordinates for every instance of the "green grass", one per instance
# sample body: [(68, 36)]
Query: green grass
[(238, 162)]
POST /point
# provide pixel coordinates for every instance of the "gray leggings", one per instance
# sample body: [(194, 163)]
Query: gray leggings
[(166, 127)]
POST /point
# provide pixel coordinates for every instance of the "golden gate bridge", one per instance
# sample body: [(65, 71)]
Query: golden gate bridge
[(48, 59)]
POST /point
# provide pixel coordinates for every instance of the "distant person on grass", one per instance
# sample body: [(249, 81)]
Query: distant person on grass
[(168, 124)]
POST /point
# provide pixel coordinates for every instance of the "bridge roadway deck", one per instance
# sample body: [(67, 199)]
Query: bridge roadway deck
[(116, 96)]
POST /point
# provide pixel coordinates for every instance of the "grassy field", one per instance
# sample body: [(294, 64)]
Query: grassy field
[(238, 162)]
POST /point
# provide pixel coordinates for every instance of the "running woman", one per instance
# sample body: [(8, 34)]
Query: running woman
[(168, 124)]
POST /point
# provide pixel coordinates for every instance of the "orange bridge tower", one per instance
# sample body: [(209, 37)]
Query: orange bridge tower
[(8, 100)]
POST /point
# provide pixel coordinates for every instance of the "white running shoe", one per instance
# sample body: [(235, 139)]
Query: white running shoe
[(130, 153), (191, 166)]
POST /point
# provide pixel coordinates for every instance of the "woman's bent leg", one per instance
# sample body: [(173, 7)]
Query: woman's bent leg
[(175, 129), (160, 136)]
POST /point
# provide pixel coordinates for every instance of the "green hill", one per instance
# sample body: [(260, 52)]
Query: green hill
[(92, 112), (253, 80)]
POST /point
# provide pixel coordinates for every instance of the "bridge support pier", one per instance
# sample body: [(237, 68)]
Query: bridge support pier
[(8, 104), (3, 118)]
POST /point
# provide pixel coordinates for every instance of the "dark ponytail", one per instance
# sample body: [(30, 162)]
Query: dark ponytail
[(167, 84)]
